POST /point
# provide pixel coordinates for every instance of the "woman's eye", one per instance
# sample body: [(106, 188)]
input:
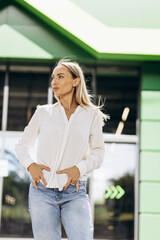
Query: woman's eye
[(60, 76)]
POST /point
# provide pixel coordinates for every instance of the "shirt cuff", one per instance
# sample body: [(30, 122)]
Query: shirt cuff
[(27, 163), (82, 167)]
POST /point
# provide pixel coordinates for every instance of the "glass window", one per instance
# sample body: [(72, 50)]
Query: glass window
[(113, 193), (26, 91), (120, 92), (15, 215)]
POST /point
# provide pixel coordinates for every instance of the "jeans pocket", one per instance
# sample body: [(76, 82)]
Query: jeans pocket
[(71, 189), (72, 184), (81, 184)]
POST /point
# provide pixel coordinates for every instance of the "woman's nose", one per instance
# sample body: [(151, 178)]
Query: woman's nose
[(54, 81)]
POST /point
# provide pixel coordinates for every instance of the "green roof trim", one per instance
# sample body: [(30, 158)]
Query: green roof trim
[(15, 45), (89, 34), (132, 57), (59, 28), (97, 38)]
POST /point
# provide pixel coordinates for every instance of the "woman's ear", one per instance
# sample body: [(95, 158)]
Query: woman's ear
[(76, 82)]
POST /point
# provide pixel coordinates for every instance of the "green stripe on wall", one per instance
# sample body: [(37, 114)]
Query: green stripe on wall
[(149, 226), (149, 166), (149, 173), (149, 197), (150, 135), (150, 105)]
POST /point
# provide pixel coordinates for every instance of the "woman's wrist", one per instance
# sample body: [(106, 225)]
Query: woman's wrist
[(30, 166)]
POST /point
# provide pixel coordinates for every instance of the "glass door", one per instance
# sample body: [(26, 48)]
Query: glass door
[(113, 192)]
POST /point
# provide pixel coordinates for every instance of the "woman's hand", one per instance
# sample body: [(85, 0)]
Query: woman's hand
[(73, 176), (36, 172)]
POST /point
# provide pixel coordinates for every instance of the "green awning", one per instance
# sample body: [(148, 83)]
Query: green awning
[(99, 39)]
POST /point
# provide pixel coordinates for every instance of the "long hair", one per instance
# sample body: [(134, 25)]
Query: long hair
[(82, 93)]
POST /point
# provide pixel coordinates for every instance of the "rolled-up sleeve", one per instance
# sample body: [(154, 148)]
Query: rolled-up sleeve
[(31, 131), (97, 148)]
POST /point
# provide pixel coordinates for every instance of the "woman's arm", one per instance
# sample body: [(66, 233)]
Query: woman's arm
[(97, 148), (27, 141), (23, 145)]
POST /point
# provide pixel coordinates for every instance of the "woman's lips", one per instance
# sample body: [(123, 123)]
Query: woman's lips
[(55, 89)]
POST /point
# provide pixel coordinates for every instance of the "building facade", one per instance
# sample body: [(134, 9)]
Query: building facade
[(122, 65)]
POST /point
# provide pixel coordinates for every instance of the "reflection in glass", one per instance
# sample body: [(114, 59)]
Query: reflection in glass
[(15, 216), (114, 218), (26, 91)]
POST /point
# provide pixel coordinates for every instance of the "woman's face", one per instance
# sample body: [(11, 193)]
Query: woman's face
[(62, 81)]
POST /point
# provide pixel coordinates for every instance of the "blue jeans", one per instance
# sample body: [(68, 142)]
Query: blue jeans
[(50, 207)]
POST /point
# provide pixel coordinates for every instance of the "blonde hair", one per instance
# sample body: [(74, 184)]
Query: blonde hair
[(82, 93)]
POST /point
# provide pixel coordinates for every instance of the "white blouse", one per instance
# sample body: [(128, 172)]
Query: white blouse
[(63, 143)]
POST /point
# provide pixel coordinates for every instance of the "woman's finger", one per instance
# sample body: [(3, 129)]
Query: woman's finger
[(43, 180), (34, 183), (77, 186), (37, 178), (67, 184), (62, 171), (74, 182), (44, 167)]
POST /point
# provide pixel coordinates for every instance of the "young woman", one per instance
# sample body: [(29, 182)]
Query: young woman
[(70, 147)]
